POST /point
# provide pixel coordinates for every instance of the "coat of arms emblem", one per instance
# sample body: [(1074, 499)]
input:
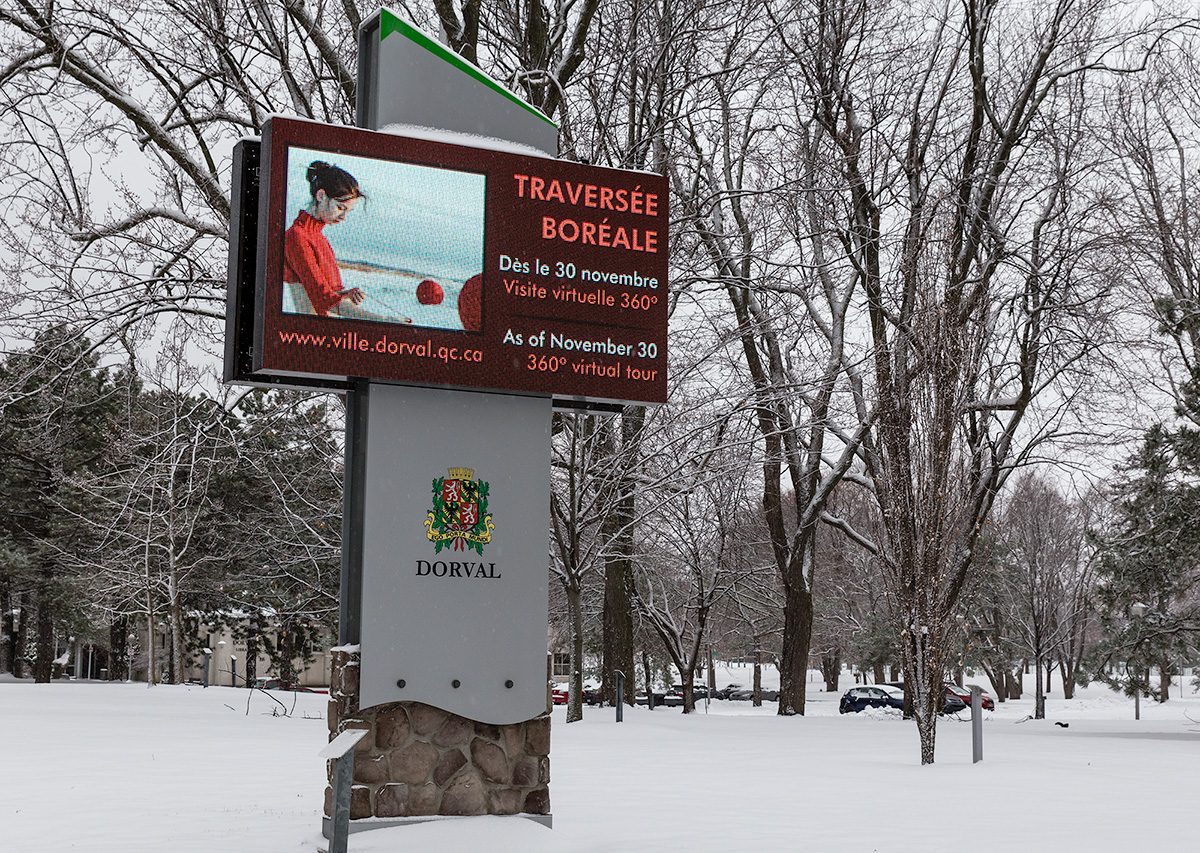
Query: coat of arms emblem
[(460, 512)]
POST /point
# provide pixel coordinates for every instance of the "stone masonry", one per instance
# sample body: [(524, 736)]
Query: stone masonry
[(419, 760)]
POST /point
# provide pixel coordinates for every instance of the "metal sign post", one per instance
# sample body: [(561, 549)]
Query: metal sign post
[(485, 284), (341, 751), (976, 724)]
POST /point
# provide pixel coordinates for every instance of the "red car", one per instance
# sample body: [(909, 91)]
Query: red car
[(964, 693), (558, 695)]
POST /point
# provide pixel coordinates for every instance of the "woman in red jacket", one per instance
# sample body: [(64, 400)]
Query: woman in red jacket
[(307, 256)]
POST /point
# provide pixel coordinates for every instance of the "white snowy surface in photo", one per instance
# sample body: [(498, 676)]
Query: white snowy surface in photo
[(389, 297), (100, 767)]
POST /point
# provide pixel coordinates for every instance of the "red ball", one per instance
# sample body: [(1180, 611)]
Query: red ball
[(429, 293), (469, 307)]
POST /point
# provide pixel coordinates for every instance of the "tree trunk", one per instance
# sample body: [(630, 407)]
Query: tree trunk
[(254, 636), (287, 653), (686, 676), (118, 648), (996, 679), (1067, 668), (175, 623), (617, 638), (151, 674), (1164, 681), (831, 668), (8, 633), (797, 636), (575, 687), (923, 667), (20, 661), (756, 696), (878, 673), (1039, 700), (43, 664), (1011, 690), (172, 676), (649, 680)]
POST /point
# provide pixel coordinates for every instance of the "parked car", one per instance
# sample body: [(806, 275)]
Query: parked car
[(277, 684), (660, 699), (723, 692), (699, 693), (952, 704), (558, 695), (591, 695), (964, 693), (873, 696), (747, 693)]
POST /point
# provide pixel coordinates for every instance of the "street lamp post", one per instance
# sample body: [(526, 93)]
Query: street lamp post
[(1137, 610)]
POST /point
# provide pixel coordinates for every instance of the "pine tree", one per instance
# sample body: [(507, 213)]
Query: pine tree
[(1149, 563)]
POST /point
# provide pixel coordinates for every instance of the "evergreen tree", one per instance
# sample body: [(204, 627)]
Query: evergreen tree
[(1149, 563), (57, 423)]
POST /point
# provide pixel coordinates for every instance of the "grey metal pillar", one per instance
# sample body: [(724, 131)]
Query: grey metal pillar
[(341, 751), (620, 703), (976, 724), (353, 505), (343, 779)]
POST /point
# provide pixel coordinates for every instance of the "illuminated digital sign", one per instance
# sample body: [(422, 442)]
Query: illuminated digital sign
[(408, 260)]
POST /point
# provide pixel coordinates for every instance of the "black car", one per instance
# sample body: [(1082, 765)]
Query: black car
[(872, 696), (951, 705), (746, 693)]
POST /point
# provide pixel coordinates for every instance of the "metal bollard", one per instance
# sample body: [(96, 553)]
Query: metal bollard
[(620, 702), (341, 751), (976, 724)]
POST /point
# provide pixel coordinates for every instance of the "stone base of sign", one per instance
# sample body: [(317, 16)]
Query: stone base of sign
[(383, 823), (420, 762)]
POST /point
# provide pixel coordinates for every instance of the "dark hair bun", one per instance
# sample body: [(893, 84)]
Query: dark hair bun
[(315, 168), (334, 180)]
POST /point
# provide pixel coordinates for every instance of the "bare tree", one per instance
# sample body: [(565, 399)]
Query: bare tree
[(1154, 131), (690, 543), (752, 216), (577, 512), (961, 172), (1044, 582), (535, 47)]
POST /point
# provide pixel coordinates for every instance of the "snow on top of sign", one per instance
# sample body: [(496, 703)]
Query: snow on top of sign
[(351, 648), (469, 140)]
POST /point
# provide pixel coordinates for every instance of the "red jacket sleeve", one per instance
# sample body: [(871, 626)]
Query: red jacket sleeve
[(308, 258)]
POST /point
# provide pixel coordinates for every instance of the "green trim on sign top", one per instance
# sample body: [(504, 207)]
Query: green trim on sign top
[(390, 23)]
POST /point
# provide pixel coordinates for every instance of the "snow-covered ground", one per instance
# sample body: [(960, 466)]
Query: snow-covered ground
[(119, 767)]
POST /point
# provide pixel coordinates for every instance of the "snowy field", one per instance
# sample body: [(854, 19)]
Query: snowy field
[(120, 767)]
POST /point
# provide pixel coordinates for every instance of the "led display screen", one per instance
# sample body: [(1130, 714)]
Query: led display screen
[(415, 261)]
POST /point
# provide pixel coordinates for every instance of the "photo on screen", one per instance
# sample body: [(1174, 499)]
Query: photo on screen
[(381, 240)]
